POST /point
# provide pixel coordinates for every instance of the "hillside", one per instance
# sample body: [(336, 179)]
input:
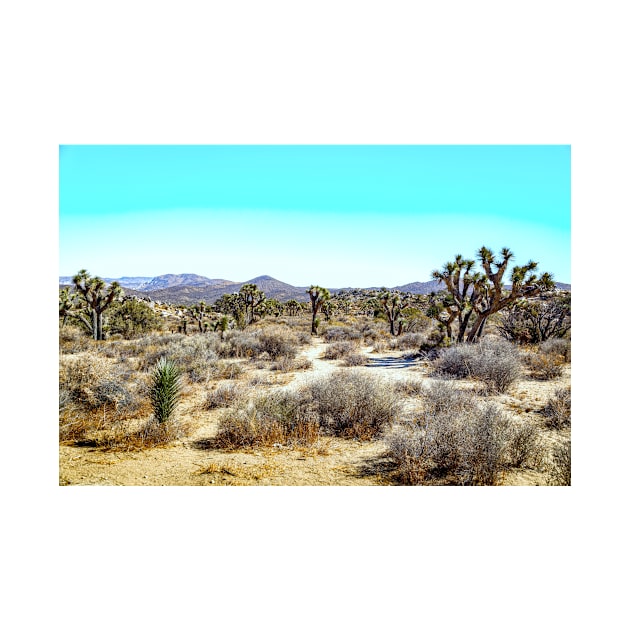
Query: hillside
[(191, 288), (170, 280)]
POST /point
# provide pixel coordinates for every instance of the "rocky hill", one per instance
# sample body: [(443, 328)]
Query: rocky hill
[(190, 288), (169, 280)]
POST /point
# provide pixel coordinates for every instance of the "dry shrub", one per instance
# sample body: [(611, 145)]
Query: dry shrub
[(379, 347), (353, 404), (354, 359), (223, 395), (557, 411), (73, 340), (493, 361), (409, 387), (285, 364), (276, 418), (227, 370), (92, 383), (560, 467), (239, 344), (149, 435), (342, 333), (76, 423), (339, 350), (412, 341), (458, 440), (278, 344), (544, 367), (560, 347)]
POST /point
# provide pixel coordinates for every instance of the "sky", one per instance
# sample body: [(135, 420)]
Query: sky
[(334, 215)]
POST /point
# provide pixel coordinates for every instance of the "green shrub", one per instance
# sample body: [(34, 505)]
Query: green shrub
[(165, 390)]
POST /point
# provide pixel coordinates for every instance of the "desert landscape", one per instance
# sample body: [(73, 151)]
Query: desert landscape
[(344, 388)]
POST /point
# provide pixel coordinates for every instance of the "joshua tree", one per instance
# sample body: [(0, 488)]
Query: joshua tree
[(251, 297), (318, 296), (393, 304), (292, 307), (271, 306), (199, 312), (97, 297), (482, 294), (66, 304), (222, 325)]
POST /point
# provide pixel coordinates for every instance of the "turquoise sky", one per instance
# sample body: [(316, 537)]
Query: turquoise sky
[(361, 215)]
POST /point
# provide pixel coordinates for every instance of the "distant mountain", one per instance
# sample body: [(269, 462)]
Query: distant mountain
[(421, 288), (209, 293), (169, 280), (129, 282), (190, 288)]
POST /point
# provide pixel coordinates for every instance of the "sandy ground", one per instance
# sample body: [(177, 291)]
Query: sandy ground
[(333, 461)]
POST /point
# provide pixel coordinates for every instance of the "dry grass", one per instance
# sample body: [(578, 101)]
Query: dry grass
[(493, 361), (340, 350), (223, 395), (275, 418), (557, 411), (458, 440), (352, 404), (544, 367)]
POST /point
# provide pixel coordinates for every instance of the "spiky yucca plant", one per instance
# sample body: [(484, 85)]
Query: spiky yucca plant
[(165, 389)]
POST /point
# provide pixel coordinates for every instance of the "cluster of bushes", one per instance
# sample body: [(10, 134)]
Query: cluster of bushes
[(547, 362), (458, 439), (493, 361), (349, 404), (104, 404)]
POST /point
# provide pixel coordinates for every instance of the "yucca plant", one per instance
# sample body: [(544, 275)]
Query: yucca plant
[(165, 389)]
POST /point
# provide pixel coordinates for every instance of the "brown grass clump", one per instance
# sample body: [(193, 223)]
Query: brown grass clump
[(560, 347), (285, 364), (73, 340), (223, 395), (557, 411), (275, 418), (544, 367), (409, 387), (560, 467)]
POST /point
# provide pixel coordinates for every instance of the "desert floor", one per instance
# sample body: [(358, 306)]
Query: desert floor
[(332, 461)]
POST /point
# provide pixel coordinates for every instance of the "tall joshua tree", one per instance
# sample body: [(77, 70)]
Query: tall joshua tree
[(393, 304), (318, 296), (252, 297), (96, 297), (473, 296)]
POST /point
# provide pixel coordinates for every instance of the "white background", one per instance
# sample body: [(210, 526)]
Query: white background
[(325, 72)]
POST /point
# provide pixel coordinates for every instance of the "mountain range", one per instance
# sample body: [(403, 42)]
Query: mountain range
[(189, 288)]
